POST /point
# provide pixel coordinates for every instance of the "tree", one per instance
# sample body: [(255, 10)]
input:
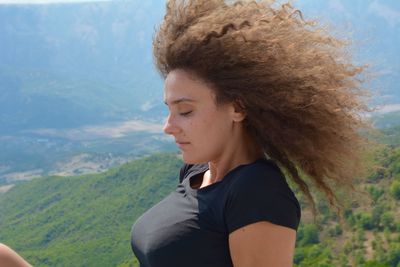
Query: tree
[(393, 255), (310, 234), (395, 189)]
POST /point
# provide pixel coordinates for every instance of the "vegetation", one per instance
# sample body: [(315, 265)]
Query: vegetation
[(86, 220), (370, 232)]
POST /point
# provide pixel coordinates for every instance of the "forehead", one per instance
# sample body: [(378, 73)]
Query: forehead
[(181, 86)]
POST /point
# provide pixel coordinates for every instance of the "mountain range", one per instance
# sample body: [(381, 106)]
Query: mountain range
[(77, 79), (70, 65)]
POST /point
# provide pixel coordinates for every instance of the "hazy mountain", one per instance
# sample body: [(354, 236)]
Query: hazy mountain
[(70, 71), (374, 28), (68, 65)]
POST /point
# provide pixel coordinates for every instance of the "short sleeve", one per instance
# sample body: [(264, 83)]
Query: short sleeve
[(183, 171), (260, 193), (188, 169)]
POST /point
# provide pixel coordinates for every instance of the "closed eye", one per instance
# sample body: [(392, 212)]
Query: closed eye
[(185, 113)]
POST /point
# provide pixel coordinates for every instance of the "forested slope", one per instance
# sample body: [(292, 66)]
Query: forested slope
[(370, 235), (86, 220)]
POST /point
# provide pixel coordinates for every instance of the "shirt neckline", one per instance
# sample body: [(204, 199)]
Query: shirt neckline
[(205, 168)]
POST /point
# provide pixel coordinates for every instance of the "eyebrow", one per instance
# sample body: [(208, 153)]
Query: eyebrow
[(183, 99)]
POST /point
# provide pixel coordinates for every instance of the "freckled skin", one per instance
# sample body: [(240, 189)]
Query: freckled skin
[(211, 133), (207, 128)]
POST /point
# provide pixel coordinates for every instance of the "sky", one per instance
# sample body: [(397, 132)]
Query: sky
[(40, 2)]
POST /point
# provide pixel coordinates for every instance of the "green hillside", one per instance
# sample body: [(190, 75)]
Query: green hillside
[(370, 235), (86, 220)]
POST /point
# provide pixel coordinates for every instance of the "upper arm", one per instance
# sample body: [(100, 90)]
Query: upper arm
[(262, 215), (261, 194), (262, 244)]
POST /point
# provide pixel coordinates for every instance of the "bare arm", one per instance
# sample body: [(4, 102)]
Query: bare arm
[(262, 244), (9, 258)]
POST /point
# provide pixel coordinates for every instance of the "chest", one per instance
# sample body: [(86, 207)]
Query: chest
[(183, 226)]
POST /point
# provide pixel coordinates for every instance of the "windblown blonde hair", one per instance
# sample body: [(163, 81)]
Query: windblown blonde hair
[(302, 94)]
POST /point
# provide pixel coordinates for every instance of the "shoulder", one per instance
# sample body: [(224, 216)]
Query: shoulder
[(260, 192), (262, 172), (190, 169)]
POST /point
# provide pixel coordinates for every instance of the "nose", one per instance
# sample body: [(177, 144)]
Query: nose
[(170, 126)]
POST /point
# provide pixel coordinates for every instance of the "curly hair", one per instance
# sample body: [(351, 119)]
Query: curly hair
[(302, 94)]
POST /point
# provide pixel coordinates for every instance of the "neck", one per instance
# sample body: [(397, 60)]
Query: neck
[(243, 150)]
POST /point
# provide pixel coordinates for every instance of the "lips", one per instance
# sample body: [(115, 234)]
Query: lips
[(181, 144)]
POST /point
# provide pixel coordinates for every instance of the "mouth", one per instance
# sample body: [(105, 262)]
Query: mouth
[(181, 144)]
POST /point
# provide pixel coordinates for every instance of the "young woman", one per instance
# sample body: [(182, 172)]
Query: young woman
[(255, 94), (252, 89)]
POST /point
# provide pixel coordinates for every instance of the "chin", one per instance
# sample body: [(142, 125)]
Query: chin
[(192, 160)]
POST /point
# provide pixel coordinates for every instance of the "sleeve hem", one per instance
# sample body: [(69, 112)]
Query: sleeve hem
[(255, 220)]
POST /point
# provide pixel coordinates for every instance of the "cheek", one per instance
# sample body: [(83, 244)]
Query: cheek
[(198, 128), (223, 130), (208, 126), (217, 127)]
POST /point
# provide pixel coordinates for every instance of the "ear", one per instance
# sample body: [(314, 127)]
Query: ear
[(239, 111)]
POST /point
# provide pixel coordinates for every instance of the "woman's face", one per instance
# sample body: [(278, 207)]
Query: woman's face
[(201, 129)]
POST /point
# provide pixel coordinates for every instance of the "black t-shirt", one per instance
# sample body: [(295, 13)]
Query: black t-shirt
[(190, 227)]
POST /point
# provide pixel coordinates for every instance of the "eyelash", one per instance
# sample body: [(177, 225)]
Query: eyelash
[(185, 113)]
